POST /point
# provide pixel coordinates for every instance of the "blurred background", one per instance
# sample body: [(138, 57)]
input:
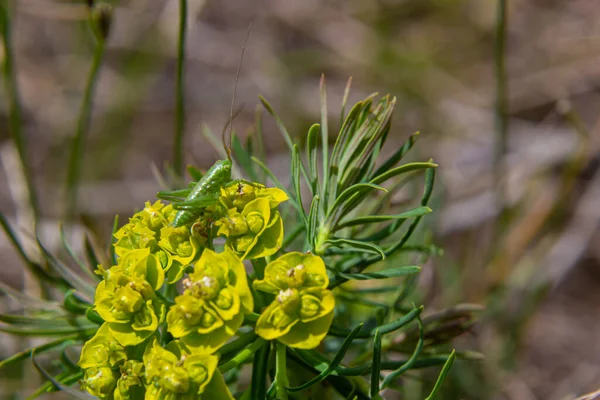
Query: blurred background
[(517, 202)]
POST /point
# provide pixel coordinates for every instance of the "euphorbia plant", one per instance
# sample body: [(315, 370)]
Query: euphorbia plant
[(247, 272), (183, 309)]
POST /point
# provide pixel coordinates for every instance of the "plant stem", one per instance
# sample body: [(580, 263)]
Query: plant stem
[(281, 371), (78, 144), (15, 114), (242, 356), (179, 92), (324, 142), (501, 116)]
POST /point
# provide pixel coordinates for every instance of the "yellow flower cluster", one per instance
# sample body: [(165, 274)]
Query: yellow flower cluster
[(156, 343)]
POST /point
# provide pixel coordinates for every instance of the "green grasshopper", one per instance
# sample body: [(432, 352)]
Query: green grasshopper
[(191, 202)]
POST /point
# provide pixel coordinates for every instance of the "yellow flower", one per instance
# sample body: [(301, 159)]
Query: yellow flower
[(212, 307), (175, 373), (302, 311)]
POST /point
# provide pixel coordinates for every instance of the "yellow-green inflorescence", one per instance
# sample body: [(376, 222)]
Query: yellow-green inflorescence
[(302, 311), (252, 225), (211, 309), (171, 302)]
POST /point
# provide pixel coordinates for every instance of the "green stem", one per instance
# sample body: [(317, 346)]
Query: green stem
[(324, 142), (83, 121), (15, 114), (242, 356), (179, 92), (501, 112), (236, 345), (281, 371)]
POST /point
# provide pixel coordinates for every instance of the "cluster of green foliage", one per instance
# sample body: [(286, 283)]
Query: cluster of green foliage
[(175, 313)]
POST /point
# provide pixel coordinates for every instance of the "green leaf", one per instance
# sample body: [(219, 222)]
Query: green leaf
[(258, 385), (346, 131), (243, 355), (351, 192), (50, 331), (398, 155), (402, 170), (357, 245), (332, 365), (25, 354), (311, 152), (296, 180), (313, 218), (316, 363), (410, 285), (278, 122), (74, 304), (66, 378), (376, 365), (345, 100), (408, 364), (383, 329), (33, 267), (357, 159), (69, 390), (238, 344), (432, 361), (46, 321), (429, 181), (415, 212), (93, 316), (73, 256), (76, 281), (387, 273), (66, 361), (111, 242), (442, 376), (90, 253), (243, 159), (362, 263), (29, 302)]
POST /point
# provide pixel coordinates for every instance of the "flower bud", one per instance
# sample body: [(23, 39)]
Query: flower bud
[(102, 19), (224, 300), (186, 313), (255, 222), (279, 319), (127, 301), (99, 381), (310, 306), (234, 225), (206, 288), (174, 379), (207, 320), (243, 243)]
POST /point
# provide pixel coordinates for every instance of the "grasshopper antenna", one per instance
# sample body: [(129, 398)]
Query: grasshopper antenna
[(232, 114)]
